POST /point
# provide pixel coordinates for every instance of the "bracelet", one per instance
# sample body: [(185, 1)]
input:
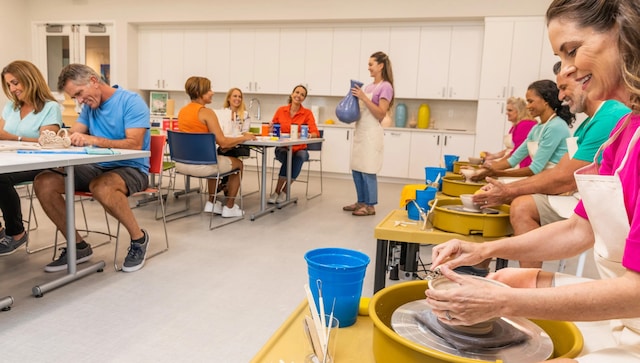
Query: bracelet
[(19, 138)]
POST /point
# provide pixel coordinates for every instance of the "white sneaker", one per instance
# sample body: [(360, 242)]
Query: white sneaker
[(217, 208), (282, 197), (208, 208), (232, 212), (272, 198)]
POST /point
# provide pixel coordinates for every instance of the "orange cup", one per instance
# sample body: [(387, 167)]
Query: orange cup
[(265, 129)]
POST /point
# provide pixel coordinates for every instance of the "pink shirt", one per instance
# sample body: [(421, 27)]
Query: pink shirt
[(519, 134), (630, 178)]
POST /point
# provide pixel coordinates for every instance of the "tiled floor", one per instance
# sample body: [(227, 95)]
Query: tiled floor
[(216, 296)]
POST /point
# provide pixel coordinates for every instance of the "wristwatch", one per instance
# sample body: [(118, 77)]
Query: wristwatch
[(19, 138)]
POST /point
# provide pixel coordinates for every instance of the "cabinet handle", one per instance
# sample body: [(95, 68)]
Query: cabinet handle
[(444, 91), (445, 140), (348, 134), (395, 134), (450, 92), (438, 142), (501, 107), (504, 90), (163, 84)]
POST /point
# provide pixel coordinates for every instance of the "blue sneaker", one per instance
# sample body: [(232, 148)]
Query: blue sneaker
[(136, 255)]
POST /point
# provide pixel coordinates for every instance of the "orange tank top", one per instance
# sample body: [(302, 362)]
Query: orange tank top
[(188, 120)]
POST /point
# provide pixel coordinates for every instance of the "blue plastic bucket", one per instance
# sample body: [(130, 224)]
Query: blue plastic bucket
[(432, 174), (449, 160), (423, 197), (340, 272)]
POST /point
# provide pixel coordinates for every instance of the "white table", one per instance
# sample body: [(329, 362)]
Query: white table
[(11, 161), (264, 144)]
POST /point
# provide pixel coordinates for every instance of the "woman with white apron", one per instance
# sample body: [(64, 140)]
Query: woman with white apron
[(367, 149)]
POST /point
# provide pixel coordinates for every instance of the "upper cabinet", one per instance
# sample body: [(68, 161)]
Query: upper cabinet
[(255, 54), (450, 58), (218, 58), (405, 60), (305, 58), (345, 59), (372, 40), (160, 59), (511, 56)]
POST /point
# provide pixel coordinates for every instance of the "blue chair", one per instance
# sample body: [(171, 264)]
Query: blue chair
[(199, 149)]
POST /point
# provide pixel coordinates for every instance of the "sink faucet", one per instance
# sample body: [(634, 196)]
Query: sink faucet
[(257, 115)]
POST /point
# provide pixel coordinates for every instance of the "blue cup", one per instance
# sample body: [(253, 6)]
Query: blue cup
[(449, 160), (341, 274), (423, 197), (432, 173)]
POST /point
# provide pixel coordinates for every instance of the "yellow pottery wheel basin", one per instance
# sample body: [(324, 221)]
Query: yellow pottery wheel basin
[(458, 221), (454, 185), (389, 347)]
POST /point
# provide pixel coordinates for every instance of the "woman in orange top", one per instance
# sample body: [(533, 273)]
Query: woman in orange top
[(293, 113), (197, 118)]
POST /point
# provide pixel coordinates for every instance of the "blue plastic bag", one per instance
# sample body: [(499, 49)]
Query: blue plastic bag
[(348, 109)]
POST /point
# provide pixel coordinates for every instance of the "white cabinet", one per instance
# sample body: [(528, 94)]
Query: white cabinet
[(404, 55), (336, 150), (396, 149), (428, 149), (371, 40), (450, 58), (305, 58), (160, 60), (511, 56), (547, 58), (218, 59), (345, 59), (491, 126), (255, 55)]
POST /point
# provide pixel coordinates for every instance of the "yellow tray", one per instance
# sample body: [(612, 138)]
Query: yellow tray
[(487, 225), (454, 185)]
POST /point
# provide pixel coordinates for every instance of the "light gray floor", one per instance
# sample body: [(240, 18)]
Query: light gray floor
[(216, 296)]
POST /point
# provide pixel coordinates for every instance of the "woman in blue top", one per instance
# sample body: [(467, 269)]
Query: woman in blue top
[(546, 143), (31, 110)]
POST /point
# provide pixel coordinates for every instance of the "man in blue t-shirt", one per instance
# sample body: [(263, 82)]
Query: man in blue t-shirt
[(110, 118), (551, 195)]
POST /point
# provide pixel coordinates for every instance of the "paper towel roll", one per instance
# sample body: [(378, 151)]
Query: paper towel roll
[(315, 110), (171, 107)]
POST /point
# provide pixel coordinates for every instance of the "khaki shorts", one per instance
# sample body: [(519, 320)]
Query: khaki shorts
[(202, 171), (545, 211)]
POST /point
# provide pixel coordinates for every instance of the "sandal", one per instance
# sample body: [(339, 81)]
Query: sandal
[(366, 210), (353, 207)]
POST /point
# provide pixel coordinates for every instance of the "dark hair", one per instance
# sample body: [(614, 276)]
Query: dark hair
[(306, 93), (548, 90), (32, 80), (387, 72), (197, 87)]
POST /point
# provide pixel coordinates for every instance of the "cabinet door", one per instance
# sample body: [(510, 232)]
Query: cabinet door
[(317, 63), (219, 59), (195, 57), (172, 60), (149, 59), (424, 151), (396, 151), (293, 43), (242, 50), (433, 69), (336, 150), (465, 62), (491, 126), (345, 59), (404, 53), (525, 55), (496, 58), (547, 58), (458, 144), (266, 60), (371, 40)]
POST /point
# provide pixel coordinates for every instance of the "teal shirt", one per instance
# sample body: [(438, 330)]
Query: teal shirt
[(594, 131), (30, 125), (552, 144)]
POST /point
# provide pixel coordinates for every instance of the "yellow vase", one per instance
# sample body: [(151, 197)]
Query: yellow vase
[(423, 116)]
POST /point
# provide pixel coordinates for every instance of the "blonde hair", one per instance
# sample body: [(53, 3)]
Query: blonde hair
[(227, 104), (521, 107)]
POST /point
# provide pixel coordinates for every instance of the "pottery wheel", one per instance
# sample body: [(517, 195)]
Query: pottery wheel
[(528, 342), (460, 208)]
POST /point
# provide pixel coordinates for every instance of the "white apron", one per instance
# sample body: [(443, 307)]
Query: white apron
[(507, 140), (532, 146), (610, 225), (366, 152)]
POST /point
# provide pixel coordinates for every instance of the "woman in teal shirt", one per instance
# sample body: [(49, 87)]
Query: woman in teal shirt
[(546, 143), (31, 110)]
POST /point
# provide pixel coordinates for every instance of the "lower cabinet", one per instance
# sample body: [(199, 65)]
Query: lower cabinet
[(396, 154), (428, 149), (336, 150)]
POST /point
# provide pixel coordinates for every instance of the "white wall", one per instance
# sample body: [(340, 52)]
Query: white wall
[(127, 14), (15, 35)]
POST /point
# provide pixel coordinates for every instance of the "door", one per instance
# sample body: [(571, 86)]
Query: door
[(424, 151), (59, 45)]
